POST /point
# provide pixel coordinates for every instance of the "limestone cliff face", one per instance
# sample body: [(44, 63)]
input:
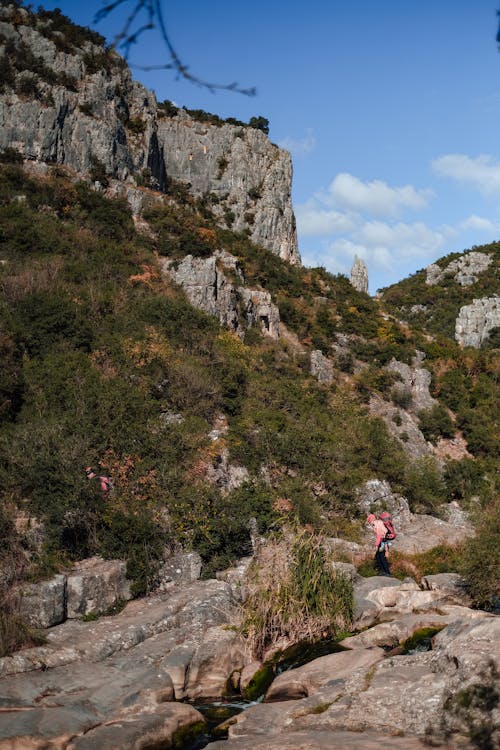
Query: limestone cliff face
[(475, 321), (76, 104), (250, 177), (79, 107)]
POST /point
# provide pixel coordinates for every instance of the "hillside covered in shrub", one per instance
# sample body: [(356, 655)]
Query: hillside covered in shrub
[(207, 433)]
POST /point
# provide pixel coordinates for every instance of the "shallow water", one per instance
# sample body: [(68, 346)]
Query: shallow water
[(217, 712)]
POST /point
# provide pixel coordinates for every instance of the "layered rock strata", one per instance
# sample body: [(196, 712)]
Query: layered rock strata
[(76, 104)]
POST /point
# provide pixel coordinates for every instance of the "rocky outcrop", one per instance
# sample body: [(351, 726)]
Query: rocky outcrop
[(249, 177), (114, 682), (416, 532), (91, 588), (95, 585), (414, 380), (475, 321), (321, 367), (76, 104), (412, 700), (466, 270), (182, 567), (410, 394), (43, 604), (206, 282), (359, 275)]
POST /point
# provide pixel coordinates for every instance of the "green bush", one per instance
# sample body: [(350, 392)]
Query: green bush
[(424, 486), (481, 561), (436, 423)]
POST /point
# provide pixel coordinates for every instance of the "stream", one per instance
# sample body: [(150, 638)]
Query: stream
[(221, 710)]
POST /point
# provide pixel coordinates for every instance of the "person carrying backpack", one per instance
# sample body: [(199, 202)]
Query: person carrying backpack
[(380, 532), (390, 535), (105, 482)]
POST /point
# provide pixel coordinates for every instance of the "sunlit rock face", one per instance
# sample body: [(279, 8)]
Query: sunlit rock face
[(81, 108), (359, 275), (475, 321), (465, 270)]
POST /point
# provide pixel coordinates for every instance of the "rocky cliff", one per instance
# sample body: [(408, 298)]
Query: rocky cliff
[(66, 99)]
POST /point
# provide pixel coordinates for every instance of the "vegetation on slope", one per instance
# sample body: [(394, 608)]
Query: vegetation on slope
[(434, 308)]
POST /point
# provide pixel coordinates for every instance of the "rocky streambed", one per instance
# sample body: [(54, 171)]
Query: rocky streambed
[(130, 680)]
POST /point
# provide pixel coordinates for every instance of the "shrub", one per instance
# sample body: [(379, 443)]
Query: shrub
[(436, 423), (424, 486), (255, 193), (136, 125), (260, 123), (296, 596), (98, 170), (481, 560), (167, 108), (401, 396)]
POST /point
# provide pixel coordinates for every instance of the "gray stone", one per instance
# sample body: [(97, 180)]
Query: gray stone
[(95, 586), (305, 680), (416, 380), (42, 604), (321, 367), (475, 321), (405, 429), (451, 583), (309, 739), (248, 175), (183, 567), (359, 275), (225, 475), (206, 285), (466, 270)]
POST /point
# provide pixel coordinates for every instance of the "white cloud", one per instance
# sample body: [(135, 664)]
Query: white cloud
[(312, 220), (483, 172), (480, 224), (367, 219), (375, 197), (340, 208), (299, 146), (406, 240)]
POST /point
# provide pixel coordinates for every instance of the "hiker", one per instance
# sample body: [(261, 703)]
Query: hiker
[(380, 532), (105, 482), (390, 531)]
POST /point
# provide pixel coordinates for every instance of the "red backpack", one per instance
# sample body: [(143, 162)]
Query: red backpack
[(386, 518)]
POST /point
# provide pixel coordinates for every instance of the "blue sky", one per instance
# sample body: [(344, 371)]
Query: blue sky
[(391, 109)]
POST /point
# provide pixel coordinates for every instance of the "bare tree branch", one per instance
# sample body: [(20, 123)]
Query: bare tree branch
[(132, 31)]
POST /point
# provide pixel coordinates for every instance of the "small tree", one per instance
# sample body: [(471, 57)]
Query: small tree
[(259, 123)]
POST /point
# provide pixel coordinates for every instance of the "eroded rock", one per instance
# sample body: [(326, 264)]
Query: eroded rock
[(95, 586)]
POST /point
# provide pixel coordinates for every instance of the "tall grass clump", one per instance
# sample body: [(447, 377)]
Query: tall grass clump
[(481, 561), (297, 595)]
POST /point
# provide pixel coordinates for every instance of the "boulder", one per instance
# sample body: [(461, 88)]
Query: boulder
[(183, 567), (305, 680), (475, 321), (450, 583), (42, 604), (162, 727), (96, 585), (221, 652)]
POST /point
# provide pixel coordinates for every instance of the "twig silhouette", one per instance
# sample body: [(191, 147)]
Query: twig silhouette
[(133, 30)]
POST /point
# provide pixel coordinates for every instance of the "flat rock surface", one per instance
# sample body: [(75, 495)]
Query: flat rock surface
[(110, 684), (321, 740)]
